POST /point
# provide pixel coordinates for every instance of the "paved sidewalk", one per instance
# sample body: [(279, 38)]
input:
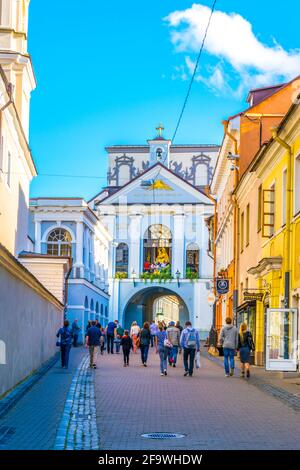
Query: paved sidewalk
[(213, 411), (285, 389), (33, 422)]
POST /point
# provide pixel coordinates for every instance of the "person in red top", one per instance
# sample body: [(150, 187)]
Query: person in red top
[(146, 265)]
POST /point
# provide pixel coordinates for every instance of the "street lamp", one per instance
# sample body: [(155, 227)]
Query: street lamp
[(177, 274), (133, 275)]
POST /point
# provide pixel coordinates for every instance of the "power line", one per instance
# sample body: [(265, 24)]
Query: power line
[(191, 81), (195, 70)]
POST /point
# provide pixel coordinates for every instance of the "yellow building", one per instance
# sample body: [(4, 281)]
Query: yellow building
[(275, 177)]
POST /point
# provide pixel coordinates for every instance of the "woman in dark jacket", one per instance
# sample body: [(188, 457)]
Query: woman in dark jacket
[(145, 340), (127, 345), (245, 346), (65, 343)]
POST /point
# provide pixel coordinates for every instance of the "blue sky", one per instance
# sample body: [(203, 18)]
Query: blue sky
[(109, 72)]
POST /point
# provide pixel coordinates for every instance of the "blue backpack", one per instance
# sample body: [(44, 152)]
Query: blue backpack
[(191, 339)]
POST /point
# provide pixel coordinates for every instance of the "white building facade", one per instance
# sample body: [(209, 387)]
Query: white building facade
[(67, 227), (155, 208)]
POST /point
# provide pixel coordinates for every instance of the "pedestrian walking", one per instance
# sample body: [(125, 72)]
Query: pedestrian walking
[(89, 324), (245, 346), (102, 341), (119, 336), (65, 337), (190, 343), (145, 340), (180, 330), (93, 342), (127, 345), (134, 332), (173, 335), (110, 335), (229, 342), (75, 332), (162, 350), (153, 331)]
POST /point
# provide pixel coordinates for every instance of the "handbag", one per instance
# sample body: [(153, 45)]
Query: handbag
[(197, 360), (213, 351), (168, 344)]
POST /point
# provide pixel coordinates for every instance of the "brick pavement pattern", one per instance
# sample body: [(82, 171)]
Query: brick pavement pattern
[(213, 411), (33, 422)]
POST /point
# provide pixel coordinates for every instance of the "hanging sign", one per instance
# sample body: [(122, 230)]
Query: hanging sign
[(222, 286), (253, 296)]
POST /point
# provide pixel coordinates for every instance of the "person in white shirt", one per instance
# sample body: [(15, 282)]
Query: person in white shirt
[(134, 332)]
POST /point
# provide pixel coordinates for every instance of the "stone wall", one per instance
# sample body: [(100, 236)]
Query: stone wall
[(29, 319)]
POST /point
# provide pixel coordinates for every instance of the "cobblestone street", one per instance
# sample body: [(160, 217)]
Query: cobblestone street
[(213, 412)]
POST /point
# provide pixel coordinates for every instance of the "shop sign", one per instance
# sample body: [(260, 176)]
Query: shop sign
[(222, 286), (253, 296)]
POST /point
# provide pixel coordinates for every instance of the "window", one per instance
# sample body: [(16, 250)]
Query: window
[(122, 258), (269, 212), (297, 185), (159, 153), (259, 209), (59, 243), (284, 196), (242, 231), (248, 225), (192, 259), (157, 247), (8, 170)]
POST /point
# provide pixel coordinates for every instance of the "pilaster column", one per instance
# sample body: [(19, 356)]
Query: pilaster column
[(178, 245), (110, 221), (37, 236), (79, 248), (134, 244)]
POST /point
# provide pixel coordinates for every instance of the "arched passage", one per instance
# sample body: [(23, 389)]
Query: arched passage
[(148, 303)]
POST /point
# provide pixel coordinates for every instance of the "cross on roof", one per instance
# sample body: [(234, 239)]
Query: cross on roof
[(160, 128)]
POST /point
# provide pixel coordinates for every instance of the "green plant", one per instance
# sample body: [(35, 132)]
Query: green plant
[(162, 275), (121, 275), (191, 275)]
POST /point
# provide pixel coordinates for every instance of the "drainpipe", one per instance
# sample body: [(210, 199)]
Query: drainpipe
[(214, 254), (289, 191), (66, 296), (235, 223)]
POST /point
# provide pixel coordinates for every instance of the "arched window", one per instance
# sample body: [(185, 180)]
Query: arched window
[(192, 258), (106, 312), (97, 311), (59, 243), (122, 258), (101, 310), (157, 247)]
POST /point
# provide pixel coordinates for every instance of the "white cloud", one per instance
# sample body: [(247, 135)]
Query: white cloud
[(232, 42)]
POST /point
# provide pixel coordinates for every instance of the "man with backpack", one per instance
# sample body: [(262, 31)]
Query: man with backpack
[(190, 343)]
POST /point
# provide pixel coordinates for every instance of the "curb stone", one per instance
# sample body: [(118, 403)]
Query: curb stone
[(78, 429)]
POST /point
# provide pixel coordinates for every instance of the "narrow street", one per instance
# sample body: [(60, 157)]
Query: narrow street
[(213, 412)]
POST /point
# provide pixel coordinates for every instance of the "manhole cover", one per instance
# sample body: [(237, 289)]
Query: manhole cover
[(163, 435)]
